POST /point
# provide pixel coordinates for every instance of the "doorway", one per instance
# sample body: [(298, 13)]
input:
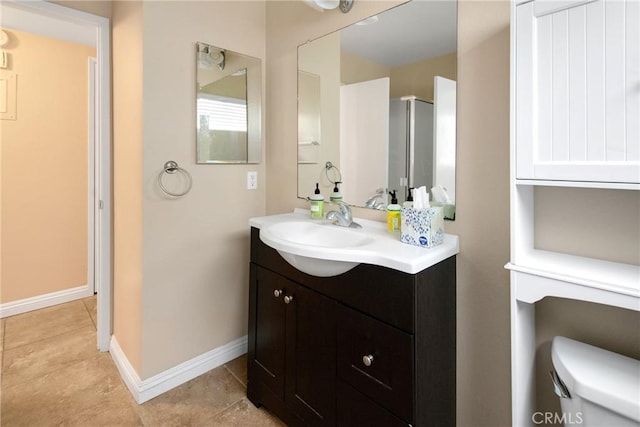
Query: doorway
[(60, 20)]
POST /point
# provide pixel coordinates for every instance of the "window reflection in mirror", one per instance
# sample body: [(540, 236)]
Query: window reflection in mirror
[(228, 124), (370, 131)]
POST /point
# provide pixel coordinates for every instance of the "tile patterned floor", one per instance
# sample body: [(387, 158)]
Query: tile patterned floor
[(52, 375)]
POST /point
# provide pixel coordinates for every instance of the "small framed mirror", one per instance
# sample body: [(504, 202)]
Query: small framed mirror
[(228, 106)]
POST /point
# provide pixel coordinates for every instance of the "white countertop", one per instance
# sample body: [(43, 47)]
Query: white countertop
[(385, 250)]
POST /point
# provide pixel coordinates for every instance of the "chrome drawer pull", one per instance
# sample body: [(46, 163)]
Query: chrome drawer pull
[(288, 299), (367, 360), (278, 292)]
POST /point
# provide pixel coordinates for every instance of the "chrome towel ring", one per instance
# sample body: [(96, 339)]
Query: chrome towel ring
[(170, 168), (328, 167)]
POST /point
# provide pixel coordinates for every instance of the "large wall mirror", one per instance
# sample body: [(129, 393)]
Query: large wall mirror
[(228, 105), (377, 107)]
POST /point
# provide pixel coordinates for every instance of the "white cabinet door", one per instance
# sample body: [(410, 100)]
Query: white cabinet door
[(578, 91)]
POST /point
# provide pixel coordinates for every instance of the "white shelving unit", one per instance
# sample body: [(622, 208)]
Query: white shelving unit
[(556, 141)]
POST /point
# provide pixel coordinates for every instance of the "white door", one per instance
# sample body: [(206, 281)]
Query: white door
[(364, 139), (444, 135)]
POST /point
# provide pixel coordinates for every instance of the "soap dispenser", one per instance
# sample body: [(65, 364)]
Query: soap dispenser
[(393, 213), (409, 202), (336, 195), (317, 204)]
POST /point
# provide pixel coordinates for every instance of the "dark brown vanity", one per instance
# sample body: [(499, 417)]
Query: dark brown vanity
[(371, 347)]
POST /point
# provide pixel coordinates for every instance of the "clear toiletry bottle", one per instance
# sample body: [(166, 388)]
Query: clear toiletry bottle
[(317, 204), (393, 213), (336, 195)]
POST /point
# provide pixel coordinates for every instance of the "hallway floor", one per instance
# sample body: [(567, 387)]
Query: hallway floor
[(52, 375)]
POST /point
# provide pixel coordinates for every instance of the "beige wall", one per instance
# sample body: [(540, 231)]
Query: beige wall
[(183, 290), (595, 223), (45, 168), (482, 214), (417, 79), (412, 79), (356, 69), (128, 155)]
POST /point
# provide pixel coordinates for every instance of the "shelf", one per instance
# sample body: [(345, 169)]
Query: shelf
[(579, 184), (545, 273)]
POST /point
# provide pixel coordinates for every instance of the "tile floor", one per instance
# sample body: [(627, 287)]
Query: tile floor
[(52, 375)]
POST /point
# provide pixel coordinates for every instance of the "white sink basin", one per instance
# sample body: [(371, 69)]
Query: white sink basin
[(319, 235), (319, 248), (312, 247)]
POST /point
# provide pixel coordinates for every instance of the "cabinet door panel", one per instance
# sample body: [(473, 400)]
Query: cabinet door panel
[(577, 98), (270, 326), (310, 387)]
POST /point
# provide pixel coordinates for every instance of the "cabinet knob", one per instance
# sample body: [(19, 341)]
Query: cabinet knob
[(367, 360), (278, 292), (288, 299)]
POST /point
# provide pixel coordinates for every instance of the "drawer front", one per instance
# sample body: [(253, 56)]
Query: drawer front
[(377, 360), (357, 410)]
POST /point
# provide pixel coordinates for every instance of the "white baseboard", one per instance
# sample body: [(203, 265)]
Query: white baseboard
[(41, 301), (143, 390)]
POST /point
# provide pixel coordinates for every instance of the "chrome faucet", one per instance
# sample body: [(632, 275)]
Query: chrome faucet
[(343, 217), (372, 202)]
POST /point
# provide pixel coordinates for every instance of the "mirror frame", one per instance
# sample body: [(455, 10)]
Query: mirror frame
[(236, 63)]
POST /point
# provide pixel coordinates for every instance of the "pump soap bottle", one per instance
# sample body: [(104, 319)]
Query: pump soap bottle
[(336, 195), (317, 204), (409, 202), (393, 213)]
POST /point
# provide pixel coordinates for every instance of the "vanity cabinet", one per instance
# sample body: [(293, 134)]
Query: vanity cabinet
[(370, 347), (577, 101)]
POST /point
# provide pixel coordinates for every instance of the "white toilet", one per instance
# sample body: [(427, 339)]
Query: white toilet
[(602, 388)]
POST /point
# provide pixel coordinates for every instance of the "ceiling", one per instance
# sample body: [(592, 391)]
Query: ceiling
[(22, 20), (421, 29)]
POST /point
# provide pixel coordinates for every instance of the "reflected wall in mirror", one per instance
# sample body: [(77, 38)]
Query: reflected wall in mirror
[(228, 106), (387, 103)]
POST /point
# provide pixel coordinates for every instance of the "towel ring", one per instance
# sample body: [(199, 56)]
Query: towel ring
[(328, 167), (170, 168)]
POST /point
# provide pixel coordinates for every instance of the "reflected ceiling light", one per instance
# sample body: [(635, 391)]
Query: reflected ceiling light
[(208, 56), (370, 20), (327, 4), (322, 5)]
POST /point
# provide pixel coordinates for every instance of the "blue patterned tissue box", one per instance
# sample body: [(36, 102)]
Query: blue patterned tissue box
[(422, 227)]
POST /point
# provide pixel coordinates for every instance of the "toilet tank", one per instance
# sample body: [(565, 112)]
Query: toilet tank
[(604, 387)]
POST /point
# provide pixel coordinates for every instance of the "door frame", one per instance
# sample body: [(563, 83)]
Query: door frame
[(101, 203)]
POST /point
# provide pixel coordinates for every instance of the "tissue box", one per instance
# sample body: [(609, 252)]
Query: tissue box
[(422, 227)]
